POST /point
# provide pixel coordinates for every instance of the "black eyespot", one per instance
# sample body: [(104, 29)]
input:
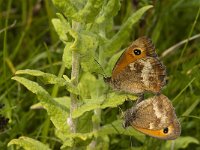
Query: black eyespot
[(137, 52), (165, 130)]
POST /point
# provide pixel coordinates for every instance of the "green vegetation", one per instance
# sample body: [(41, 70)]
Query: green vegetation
[(53, 88)]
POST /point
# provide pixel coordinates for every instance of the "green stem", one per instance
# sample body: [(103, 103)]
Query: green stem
[(74, 78)]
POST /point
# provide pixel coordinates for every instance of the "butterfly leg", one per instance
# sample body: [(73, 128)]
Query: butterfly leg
[(140, 98)]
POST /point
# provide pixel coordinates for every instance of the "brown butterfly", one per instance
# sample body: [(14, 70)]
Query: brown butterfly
[(138, 69), (155, 117)]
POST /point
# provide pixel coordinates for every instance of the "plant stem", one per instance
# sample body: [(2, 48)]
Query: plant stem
[(74, 78)]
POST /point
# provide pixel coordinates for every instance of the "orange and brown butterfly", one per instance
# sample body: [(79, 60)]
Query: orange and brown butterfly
[(138, 69), (155, 117)]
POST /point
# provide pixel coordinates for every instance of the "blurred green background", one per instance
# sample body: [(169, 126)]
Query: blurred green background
[(28, 40)]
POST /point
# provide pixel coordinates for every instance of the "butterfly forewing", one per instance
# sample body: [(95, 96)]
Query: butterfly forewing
[(138, 69)]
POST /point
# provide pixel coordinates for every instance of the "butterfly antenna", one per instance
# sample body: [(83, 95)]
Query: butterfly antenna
[(104, 75), (123, 116), (115, 128), (140, 98)]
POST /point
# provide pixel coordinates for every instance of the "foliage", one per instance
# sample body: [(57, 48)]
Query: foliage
[(95, 31)]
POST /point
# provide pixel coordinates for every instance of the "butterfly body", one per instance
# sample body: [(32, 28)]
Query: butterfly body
[(154, 116), (138, 69)]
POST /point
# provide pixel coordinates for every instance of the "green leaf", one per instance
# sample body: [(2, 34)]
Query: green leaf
[(86, 45), (90, 87), (67, 55), (65, 101), (67, 142), (90, 11), (84, 108), (112, 100), (29, 143), (109, 10), (47, 78), (57, 112), (116, 42), (66, 7), (61, 28), (116, 127), (181, 142)]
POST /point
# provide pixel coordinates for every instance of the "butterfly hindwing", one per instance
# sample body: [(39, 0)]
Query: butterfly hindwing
[(155, 117)]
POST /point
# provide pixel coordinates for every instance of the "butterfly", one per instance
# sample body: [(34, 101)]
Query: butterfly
[(138, 69), (155, 117)]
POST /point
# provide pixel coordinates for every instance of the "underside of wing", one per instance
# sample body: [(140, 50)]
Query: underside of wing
[(147, 74), (156, 117)]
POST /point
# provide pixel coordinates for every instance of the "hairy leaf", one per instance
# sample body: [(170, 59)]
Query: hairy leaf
[(90, 11), (61, 29), (47, 78), (109, 10), (66, 7), (57, 112), (29, 143), (67, 55)]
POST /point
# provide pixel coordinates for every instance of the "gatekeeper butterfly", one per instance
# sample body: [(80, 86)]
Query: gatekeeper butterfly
[(138, 69), (155, 117)]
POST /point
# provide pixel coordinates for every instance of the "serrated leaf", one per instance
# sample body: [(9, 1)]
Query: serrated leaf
[(116, 42), (29, 143), (181, 142), (109, 10), (58, 113), (47, 78)]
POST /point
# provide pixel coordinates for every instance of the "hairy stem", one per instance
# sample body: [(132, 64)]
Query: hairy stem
[(74, 77)]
